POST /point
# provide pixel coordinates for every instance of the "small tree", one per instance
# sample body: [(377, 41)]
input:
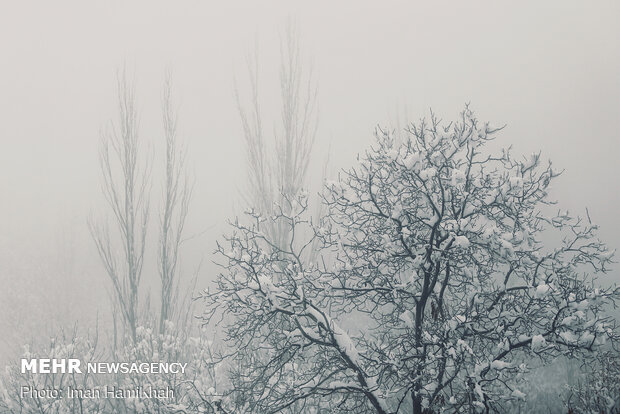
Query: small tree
[(125, 187), (433, 288)]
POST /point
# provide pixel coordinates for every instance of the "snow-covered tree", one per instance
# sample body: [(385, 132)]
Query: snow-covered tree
[(441, 275)]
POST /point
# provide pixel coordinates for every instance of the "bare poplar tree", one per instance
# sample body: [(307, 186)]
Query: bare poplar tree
[(176, 197), (277, 167), (283, 175), (125, 187)]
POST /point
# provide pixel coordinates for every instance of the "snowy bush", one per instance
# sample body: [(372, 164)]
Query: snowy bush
[(190, 389), (599, 391), (431, 290), (194, 391), (61, 346)]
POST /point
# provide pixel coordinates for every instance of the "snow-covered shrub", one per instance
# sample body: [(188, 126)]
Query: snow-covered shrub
[(432, 290), (545, 387), (193, 391), (62, 346), (599, 390)]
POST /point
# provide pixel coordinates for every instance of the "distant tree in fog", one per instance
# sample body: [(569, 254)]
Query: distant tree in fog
[(278, 161), (125, 181), (176, 197), (435, 246), (278, 167)]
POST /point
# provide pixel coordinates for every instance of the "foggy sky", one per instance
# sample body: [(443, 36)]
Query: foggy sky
[(550, 72)]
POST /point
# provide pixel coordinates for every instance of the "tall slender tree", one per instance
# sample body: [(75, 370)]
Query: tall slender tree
[(125, 182), (271, 178), (176, 196)]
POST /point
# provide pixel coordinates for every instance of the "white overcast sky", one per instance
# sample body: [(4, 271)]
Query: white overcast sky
[(548, 70)]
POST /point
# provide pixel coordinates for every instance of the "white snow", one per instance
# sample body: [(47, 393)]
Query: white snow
[(586, 338), (497, 364), (397, 210), (341, 384), (568, 337), (538, 342), (541, 291), (392, 154), (411, 160), (568, 321), (583, 305), (406, 317), (458, 177), (461, 241), (427, 173)]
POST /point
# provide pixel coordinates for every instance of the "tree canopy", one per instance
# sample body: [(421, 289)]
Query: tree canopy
[(440, 276)]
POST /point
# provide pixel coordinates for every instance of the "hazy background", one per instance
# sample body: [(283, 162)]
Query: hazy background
[(549, 71)]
